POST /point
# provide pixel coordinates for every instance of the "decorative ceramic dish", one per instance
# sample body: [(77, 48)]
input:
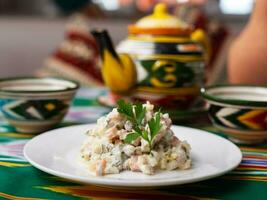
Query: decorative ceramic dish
[(32, 104), (62, 159), (239, 111)]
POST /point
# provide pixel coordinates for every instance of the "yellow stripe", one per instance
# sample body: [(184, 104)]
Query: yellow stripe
[(245, 119), (254, 149), (16, 135), (160, 39), (9, 164), (96, 192), (250, 168), (9, 196), (178, 58), (194, 90), (249, 178)]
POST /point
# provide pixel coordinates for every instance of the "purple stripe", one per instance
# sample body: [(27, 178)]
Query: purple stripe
[(260, 162)]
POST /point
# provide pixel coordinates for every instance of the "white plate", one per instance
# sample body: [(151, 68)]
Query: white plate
[(57, 152)]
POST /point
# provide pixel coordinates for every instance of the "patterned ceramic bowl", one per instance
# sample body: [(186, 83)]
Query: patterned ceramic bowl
[(239, 111), (34, 105)]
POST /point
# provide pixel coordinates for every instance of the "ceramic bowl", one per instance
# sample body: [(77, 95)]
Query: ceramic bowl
[(34, 105), (239, 111)]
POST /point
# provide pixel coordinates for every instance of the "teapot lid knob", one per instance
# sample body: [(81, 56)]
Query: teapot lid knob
[(160, 22), (160, 9)]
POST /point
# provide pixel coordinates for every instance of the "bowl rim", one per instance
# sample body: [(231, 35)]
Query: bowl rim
[(235, 102), (75, 87)]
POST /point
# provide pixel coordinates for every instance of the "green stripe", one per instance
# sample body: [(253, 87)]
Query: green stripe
[(262, 173), (253, 153), (85, 102), (13, 160)]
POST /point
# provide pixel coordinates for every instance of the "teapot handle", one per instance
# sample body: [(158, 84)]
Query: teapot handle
[(200, 36)]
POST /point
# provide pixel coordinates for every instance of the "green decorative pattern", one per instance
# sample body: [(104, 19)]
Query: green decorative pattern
[(169, 72), (34, 109), (19, 180)]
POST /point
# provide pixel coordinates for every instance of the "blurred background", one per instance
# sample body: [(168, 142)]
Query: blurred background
[(31, 30)]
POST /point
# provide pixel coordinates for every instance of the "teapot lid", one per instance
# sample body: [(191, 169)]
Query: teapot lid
[(160, 23)]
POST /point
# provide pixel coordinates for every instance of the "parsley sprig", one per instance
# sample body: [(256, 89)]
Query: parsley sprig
[(136, 113)]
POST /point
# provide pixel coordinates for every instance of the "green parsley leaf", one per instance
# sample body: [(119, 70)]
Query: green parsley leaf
[(137, 129), (126, 109), (136, 113), (131, 137), (140, 112), (154, 125), (145, 135)]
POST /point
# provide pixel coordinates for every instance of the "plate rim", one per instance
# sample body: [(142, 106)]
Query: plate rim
[(110, 182)]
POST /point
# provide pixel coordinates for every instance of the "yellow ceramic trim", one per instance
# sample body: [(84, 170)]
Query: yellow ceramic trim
[(180, 58), (160, 39), (246, 119), (154, 81), (194, 90)]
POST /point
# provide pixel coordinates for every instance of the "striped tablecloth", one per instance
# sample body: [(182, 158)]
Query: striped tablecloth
[(19, 180)]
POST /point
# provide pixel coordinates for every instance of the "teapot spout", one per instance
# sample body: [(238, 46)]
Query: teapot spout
[(104, 42), (118, 70)]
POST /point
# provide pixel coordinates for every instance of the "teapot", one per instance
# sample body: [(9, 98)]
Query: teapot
[(162, 61)]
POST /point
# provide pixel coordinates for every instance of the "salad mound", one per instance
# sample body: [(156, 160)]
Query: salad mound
[(134, 137)]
